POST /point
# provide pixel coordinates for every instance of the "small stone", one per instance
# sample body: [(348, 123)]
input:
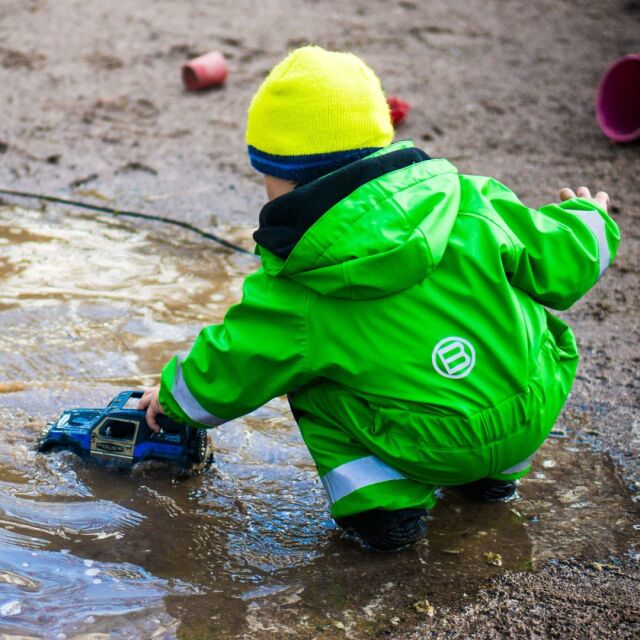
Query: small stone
[(424, 606), (294, 598), (493, 558), (338, 625)]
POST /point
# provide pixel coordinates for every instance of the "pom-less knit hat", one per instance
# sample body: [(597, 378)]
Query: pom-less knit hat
[(317, 110)]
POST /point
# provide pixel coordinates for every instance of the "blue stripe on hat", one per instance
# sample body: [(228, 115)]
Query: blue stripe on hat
[(296, 167)]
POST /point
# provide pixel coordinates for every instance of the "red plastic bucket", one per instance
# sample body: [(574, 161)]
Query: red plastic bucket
[(204, 71), (618, 100)]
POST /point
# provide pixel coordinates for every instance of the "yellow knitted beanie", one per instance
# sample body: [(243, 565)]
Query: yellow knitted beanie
[(316, 109)]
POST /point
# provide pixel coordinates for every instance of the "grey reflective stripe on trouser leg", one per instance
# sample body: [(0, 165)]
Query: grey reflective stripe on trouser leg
[(189, 404), (596, 223), (357, 474), (521, 466)]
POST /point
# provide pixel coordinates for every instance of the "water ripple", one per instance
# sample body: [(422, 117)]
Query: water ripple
[(87, 517), (49, 593)]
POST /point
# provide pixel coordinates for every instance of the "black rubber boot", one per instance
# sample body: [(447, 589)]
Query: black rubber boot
[(387, 530), (488, 489)]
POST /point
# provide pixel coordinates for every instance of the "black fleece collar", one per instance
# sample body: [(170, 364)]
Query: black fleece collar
[(285, 220)]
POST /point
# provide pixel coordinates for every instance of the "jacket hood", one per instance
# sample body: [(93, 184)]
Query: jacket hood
[(371, 229)]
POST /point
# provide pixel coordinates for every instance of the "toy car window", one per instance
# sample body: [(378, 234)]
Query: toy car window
[(78, 421), (120, 429), (131, 403)]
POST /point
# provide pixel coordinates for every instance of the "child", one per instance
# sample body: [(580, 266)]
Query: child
[(400, 304)]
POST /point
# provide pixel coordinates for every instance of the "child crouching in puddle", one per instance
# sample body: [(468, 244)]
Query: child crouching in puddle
[(400, 305)]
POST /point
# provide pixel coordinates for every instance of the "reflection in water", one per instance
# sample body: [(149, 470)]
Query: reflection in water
[(51, 593), (90, 307)]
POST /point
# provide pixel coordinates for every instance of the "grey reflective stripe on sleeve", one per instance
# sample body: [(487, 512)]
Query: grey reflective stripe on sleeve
[(189, 404), (521, 466), (354, 475), (596, 223)]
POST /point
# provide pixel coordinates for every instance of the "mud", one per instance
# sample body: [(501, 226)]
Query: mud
[(92, 107)]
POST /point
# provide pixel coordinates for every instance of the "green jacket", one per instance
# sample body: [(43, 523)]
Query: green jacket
[(400, 280)]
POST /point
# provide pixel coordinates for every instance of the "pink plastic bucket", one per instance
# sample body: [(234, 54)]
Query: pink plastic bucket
[(618, 100), (204, 71)]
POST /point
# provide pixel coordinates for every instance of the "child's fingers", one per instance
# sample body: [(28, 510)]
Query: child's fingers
[(145, 401), (154, 410), (149, 401), (583, 192), (151, 418), (602, 198), (566, 194)]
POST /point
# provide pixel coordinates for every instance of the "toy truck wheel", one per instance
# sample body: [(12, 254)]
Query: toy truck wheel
[(199, 446)]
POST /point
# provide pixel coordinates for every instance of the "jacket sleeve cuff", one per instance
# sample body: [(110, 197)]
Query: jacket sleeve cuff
[(601, 226), (179, 403)]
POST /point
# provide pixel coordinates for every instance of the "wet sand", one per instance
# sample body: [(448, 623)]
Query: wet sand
[(93, 108)]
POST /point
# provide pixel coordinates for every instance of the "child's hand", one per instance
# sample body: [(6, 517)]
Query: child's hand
[(601, 198), (150, 402)]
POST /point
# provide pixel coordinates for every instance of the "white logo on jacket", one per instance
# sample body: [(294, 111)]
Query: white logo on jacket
[(453, 357)]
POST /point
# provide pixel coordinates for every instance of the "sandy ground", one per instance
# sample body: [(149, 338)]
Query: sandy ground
[(92, 106)]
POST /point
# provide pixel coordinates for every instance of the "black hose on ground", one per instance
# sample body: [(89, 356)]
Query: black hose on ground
[(129, 214)]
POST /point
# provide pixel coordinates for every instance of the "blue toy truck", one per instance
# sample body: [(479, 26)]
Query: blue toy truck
[(119, 433)]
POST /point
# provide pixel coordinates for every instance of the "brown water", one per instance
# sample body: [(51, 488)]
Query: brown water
[(91, 306)]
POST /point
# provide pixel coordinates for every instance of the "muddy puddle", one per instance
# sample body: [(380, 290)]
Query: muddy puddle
[(89, 307)]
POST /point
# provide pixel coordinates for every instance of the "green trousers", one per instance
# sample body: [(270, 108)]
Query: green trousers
[(394, 455)]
